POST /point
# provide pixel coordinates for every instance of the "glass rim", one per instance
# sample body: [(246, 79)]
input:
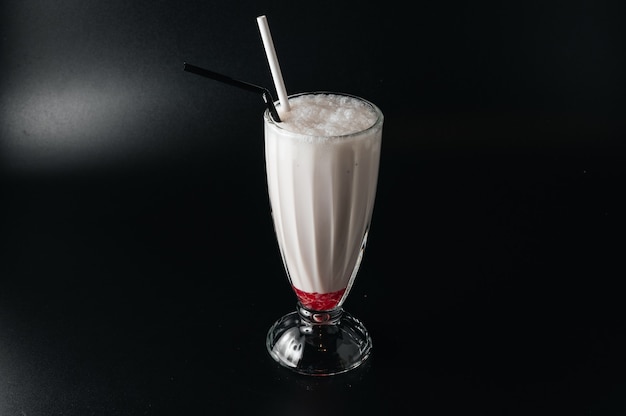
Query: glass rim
[(277, 125)]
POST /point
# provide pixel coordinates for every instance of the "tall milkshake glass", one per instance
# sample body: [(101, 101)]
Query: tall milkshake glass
[(322, 164)]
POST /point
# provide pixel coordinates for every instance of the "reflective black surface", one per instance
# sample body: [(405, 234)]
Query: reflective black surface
[(139, 273), (490, 285)]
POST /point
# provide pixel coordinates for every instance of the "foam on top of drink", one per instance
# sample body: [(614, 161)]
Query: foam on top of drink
[(327, 115)]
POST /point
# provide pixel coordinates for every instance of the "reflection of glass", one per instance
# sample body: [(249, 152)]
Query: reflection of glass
[(322, 189)]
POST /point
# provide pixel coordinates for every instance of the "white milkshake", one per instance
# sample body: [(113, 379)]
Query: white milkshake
[(322, 168)]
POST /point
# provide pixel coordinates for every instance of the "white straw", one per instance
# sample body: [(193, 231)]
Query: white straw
[(273, 61)]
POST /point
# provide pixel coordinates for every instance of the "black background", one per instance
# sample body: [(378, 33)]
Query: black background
[(139, 272)]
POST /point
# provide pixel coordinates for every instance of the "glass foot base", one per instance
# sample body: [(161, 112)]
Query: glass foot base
[(319, 343)]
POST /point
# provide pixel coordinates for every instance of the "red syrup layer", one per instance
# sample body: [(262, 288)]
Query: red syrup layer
[(319, 301)]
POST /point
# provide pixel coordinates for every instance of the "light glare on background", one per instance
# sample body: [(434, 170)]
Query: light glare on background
[(74, 123), (74, 93)]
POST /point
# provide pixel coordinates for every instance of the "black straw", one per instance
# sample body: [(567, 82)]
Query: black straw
[(267, 96)]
